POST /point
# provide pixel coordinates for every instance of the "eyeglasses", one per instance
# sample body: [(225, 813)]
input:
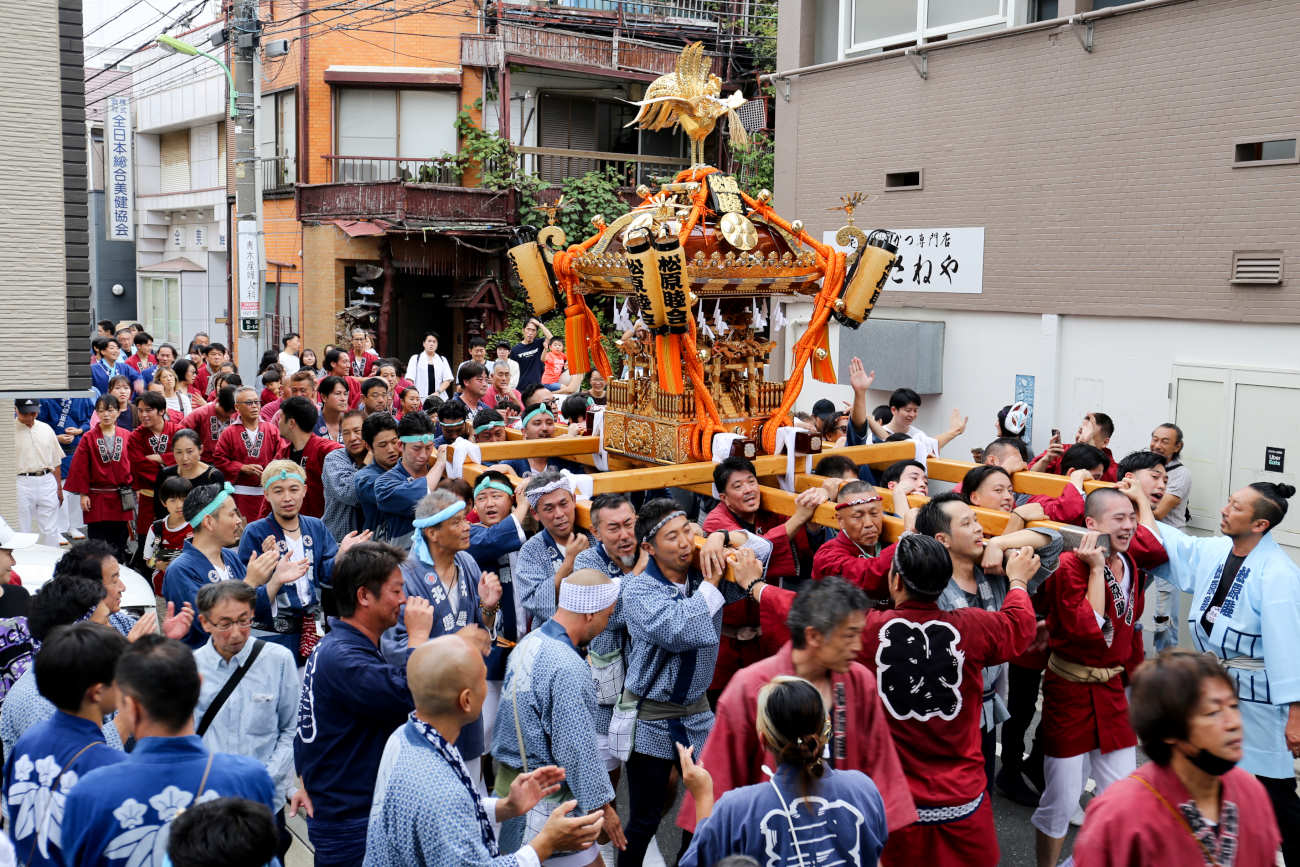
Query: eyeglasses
[(249, 402), (227, 625)]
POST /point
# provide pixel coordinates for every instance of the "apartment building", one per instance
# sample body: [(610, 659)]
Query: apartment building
[(182, 227), (1097, 209), (361, 209), (43, 249)]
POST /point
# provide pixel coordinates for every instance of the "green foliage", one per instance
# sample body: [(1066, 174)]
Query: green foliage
[(585, 197), (755, 166), (596, 192)]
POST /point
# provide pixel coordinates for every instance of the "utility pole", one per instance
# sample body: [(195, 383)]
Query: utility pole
[(245, 34)]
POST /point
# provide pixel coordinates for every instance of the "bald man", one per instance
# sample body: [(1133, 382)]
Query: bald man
[(547, 714), (426, 810)]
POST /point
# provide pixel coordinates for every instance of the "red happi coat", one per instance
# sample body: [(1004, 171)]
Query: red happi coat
[(734, 654), (840, 556), (99, 465), (312, 460), (144, 472), (208, 425), (932, 700), (1129, 826), (1081, 717), (859, 742), (236, 447)]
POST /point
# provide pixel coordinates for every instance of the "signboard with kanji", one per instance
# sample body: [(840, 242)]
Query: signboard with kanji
[(936, 260)]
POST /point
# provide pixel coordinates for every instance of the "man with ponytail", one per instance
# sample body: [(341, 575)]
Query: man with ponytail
[(929, 671), (1246, 610)]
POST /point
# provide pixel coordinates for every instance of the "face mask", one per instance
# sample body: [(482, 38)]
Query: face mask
[(1215, 766)]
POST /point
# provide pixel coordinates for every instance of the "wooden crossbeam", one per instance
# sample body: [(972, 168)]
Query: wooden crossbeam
[(547, 448), (994, 521), (1024, 482), (581, 510)]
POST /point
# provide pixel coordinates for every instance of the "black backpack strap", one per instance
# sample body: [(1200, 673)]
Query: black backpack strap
[(213, 709)]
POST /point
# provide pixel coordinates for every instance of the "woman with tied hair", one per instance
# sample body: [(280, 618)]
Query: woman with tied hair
[(807, 812)]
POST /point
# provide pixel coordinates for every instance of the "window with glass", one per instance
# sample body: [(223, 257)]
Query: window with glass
[(881, 24), (160, 308), (393, 134), (278, 134)]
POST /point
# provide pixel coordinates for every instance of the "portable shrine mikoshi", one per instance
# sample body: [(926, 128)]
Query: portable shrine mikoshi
[(695, 393)]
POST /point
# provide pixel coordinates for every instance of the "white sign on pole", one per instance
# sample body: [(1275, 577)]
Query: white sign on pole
[(936, 260), (119, 170), (249, 273)]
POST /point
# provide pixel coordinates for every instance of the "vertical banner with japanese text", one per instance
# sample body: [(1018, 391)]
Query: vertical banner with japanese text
[(119, 171), (250, 276)]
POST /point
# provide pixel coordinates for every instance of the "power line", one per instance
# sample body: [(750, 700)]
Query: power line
[(186, 17)]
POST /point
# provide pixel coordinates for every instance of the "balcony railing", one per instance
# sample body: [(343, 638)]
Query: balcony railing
[(345, 169), (698, 10), (278, 175), (555, 165)]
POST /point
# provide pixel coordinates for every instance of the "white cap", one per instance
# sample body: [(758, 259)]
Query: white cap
[(11, 540), (587, 598)]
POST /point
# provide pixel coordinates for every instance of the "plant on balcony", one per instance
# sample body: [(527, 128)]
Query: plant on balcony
[(755, 165)]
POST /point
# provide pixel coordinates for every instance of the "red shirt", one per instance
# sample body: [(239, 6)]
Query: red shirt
[(208, 425), (143, 443), (929, 673), (99, 465), (1080, 717), (1110, 475), (312, 460), (840, 556), (237, 447)]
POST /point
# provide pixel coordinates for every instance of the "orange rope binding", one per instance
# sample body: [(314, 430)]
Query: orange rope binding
[(833, 264), (582, 341)]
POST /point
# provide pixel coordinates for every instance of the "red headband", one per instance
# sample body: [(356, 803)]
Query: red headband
[(859, 501)]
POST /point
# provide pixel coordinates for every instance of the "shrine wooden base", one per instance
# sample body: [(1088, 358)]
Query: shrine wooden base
[(658, 440)]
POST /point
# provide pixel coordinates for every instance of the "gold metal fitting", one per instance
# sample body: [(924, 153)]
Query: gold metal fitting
[(703, 354), (764, 196), (693, 298), (839, 305), (796, 226), (642, 190), (820, 353), (598, 221)]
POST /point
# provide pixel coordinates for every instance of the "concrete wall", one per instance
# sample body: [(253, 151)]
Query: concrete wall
[(1103, 179), (326, 252)]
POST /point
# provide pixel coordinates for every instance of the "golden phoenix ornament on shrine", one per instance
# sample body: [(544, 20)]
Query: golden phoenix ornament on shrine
[(698, 255)]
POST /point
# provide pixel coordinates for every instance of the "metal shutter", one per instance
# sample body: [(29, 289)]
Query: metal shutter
[(174, 149), (570, 124)]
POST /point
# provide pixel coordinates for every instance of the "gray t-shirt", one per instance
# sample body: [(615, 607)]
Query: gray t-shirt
[(1179, 485)]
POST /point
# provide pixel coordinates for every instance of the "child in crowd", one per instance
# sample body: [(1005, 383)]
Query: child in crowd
[(554, 363), (167, 535)]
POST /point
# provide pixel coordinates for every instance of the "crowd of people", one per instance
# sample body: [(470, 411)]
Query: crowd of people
[(438, 673)]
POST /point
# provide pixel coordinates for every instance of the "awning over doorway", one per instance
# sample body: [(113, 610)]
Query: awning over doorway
[(172, 266), (362, 228)]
